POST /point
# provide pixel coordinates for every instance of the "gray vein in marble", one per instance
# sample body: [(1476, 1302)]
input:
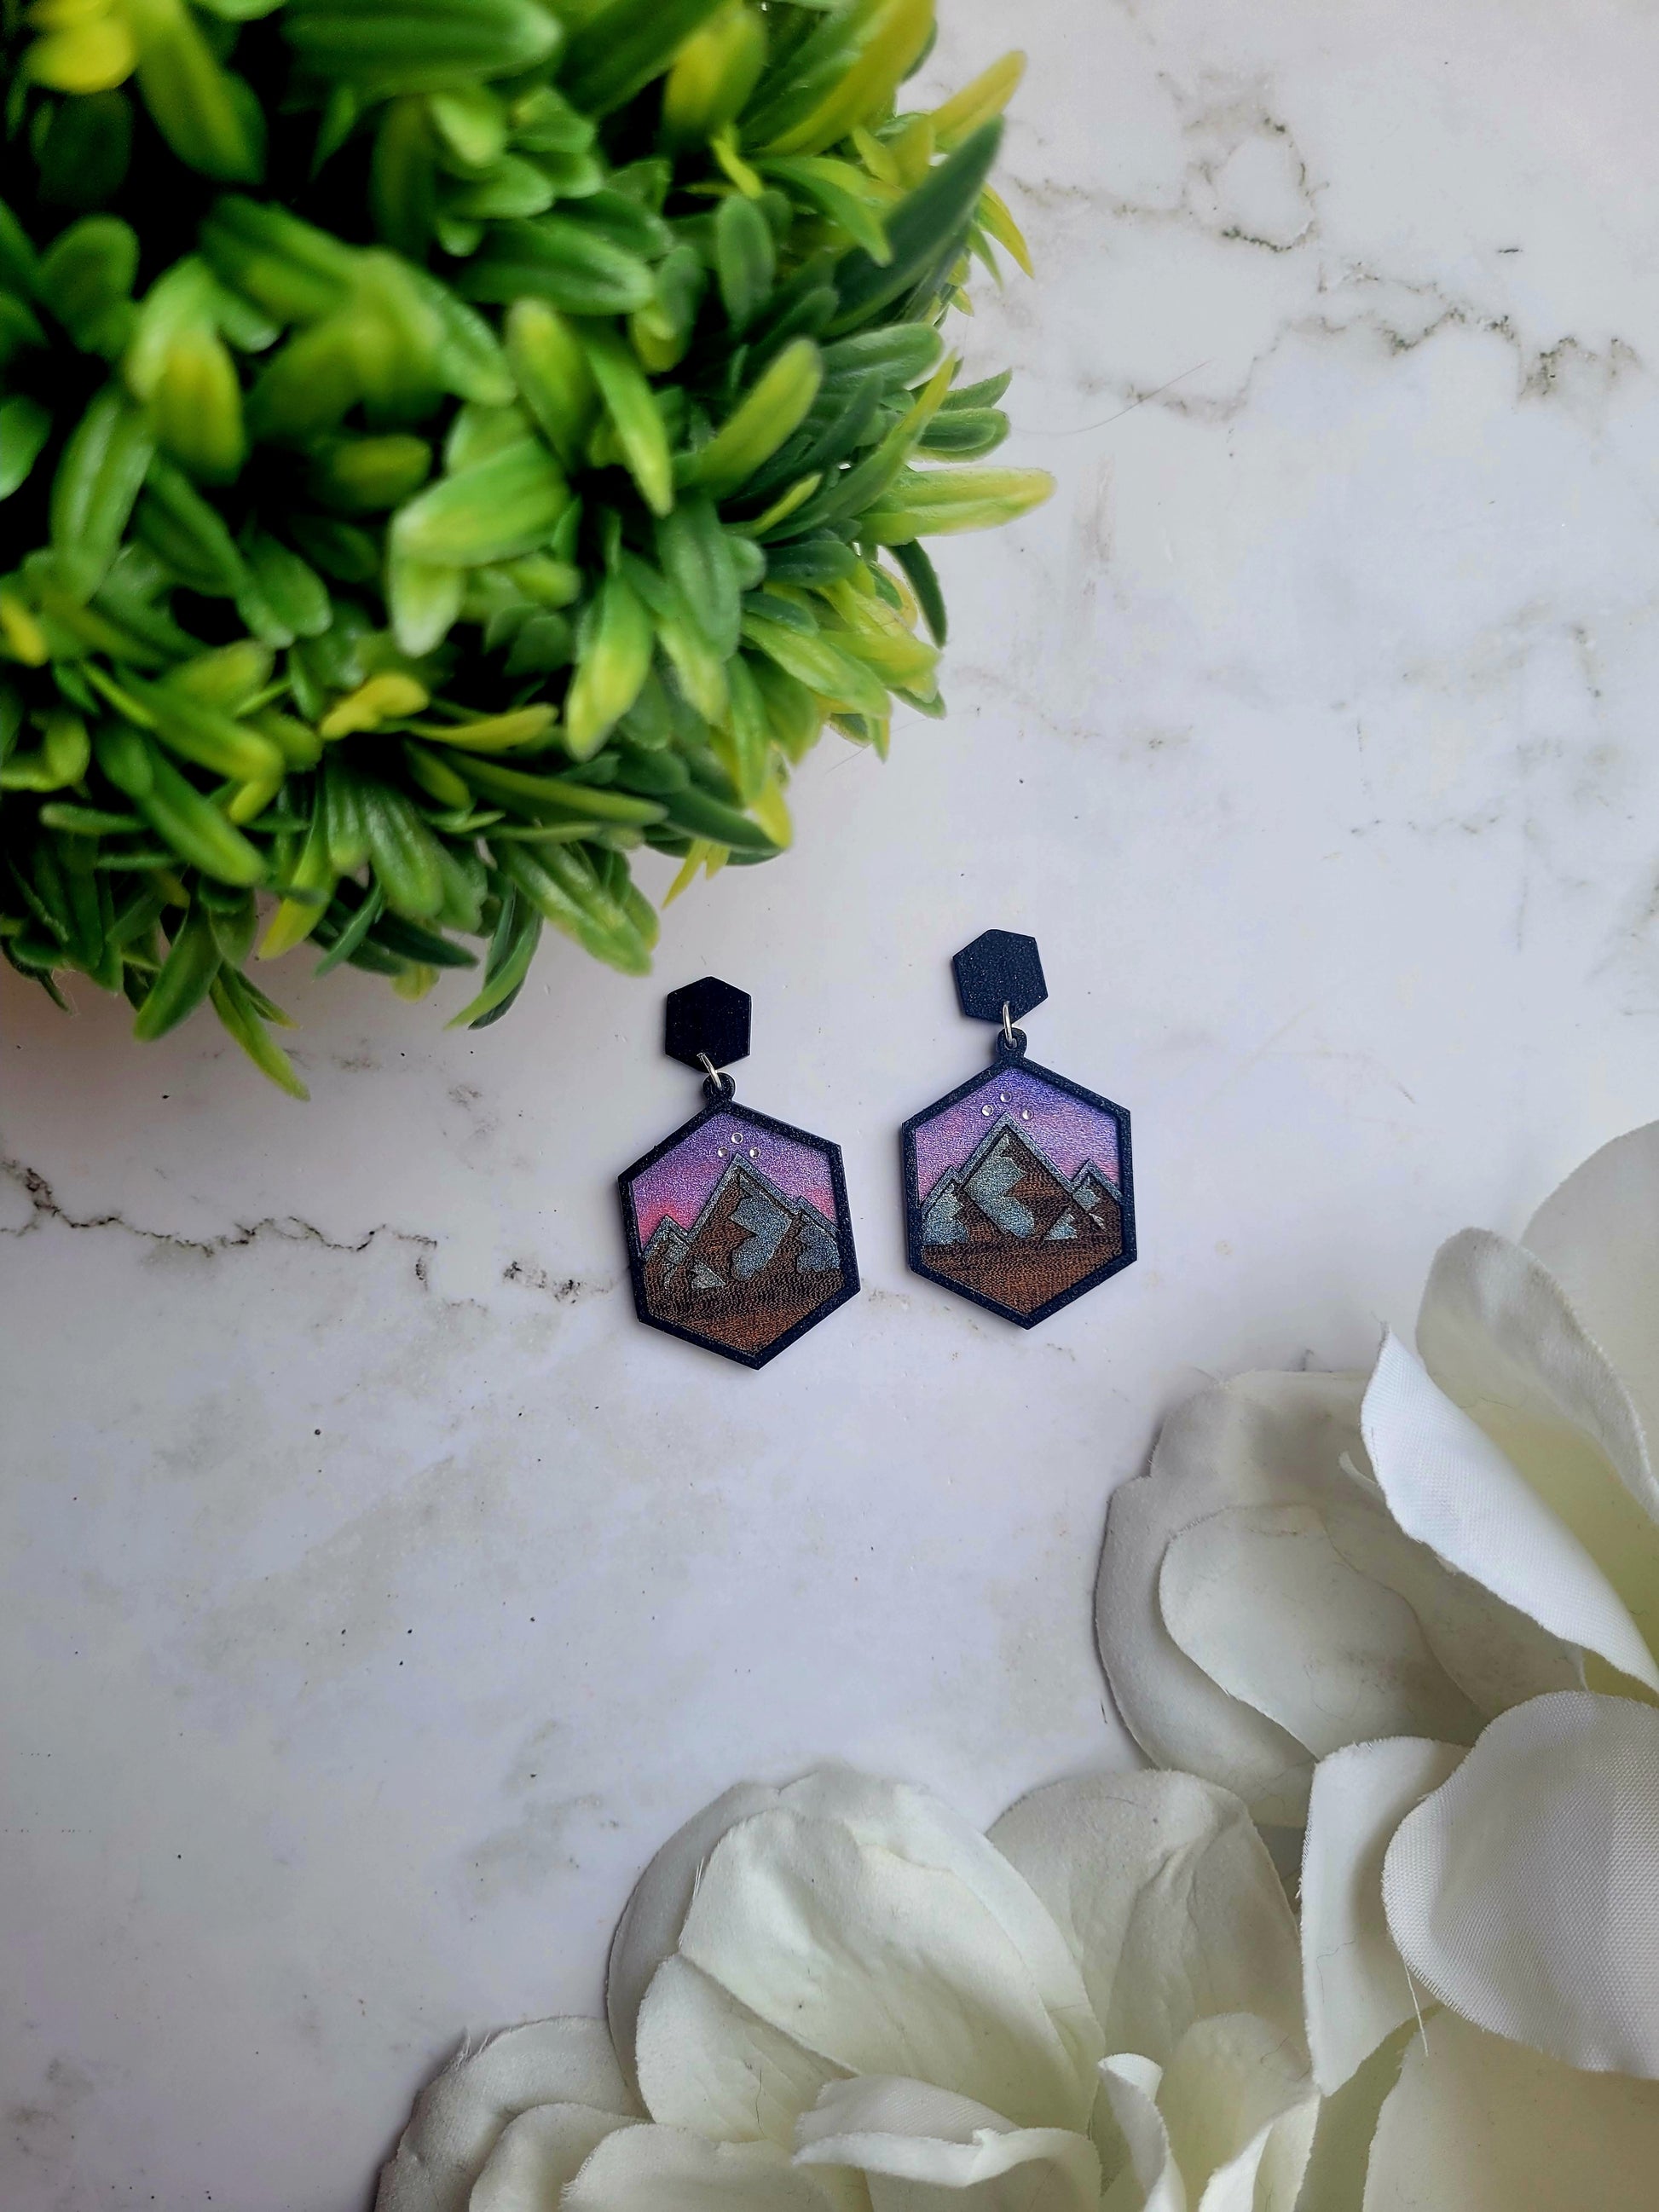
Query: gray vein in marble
[(45, 1208), (1238, 120), (563, 1289), (1547, 374)]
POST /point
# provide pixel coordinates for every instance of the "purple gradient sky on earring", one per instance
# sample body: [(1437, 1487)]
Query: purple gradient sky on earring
[(1066, 1130), (680, 1182)]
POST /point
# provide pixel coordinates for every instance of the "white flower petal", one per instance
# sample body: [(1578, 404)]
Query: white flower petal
[(707, 2062), (1266, 2176), (1151, 2181), (1287, 1440), (1260, 1598), (537, 2153), (650, 1926), (1448, 1485), (1595, 1237), (1260, 1439), (1335, 2178), (1479, 2124), (1500, 1334), (895, 1816), (1168, 1898), (460, 2114), (1240, 2108), (912, 2133), (665, 2170), (1354, 1986), (880, 1966), (1495, 1654), (1522, 1892)]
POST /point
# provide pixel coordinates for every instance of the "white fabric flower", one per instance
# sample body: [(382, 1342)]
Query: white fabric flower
[(1480, 1961), (1422, 1613), (1314, 1560), (840, 1997)]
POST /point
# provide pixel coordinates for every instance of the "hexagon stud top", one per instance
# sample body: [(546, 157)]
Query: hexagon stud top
[(999, 969), (708, 1017)]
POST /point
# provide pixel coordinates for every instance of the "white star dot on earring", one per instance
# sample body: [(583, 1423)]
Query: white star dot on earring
[(1004, 1097), (1024, 1114), (754, 1151), (719, 1152), (986, 1111)]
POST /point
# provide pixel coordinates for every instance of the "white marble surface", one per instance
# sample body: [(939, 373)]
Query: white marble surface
[(1311, 730)]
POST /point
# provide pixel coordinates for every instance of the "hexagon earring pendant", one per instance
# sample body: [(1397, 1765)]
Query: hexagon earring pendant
[(1018, 1191), (738, 1234)]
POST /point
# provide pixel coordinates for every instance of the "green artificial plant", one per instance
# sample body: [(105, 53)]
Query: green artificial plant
[(445, 445)]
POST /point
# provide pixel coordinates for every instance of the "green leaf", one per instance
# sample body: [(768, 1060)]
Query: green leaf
[(419, 45), (25, 427), (697, 557), (968, 433), (493, 511), (768, 415), (634, 416), (613, 658), (210, 119), (745, 256), (935, 502), (924, 232), (346, 944), (553, 258), (518, 932), (187, 976), (97, 480), (86, 279), (238, 1006), (912, 558), (843, 74), (835, 188), (620, 48)]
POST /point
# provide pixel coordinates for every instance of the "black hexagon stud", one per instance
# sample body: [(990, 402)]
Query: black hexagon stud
[(999, 969), (708, 1019)]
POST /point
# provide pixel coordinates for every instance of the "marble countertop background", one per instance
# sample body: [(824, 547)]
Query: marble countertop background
[(377, 1595)]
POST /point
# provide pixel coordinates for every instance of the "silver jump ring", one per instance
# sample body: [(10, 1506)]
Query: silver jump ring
[(718, 1089), (1007, 1027)]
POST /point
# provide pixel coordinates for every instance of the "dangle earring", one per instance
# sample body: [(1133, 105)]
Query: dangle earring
[(1017, 1188), (738, 1234)]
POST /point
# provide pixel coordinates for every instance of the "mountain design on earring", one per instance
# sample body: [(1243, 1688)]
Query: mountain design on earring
[(1008, 1195), (757, 1257), (739, 1238), (1017, 1186)]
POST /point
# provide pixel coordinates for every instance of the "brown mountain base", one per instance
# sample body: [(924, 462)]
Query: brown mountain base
[(745, 1322), (1022, 1277)]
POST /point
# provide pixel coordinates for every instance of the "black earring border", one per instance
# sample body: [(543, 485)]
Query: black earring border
[(850, 1264), (913, 1204)]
